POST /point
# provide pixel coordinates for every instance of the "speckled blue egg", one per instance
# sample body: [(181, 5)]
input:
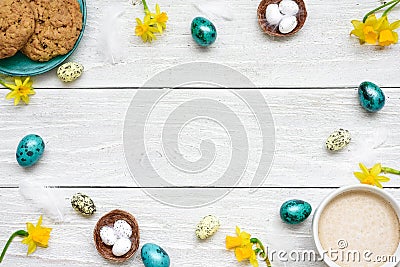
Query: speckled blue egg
[(204, 32), (30, 149), (295, 211), (371, 96), (154, 256)]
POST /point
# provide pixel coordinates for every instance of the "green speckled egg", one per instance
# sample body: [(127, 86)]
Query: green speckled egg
[(295, 211), (83, 204), (204, 32), (70, 71), (154, 256), (371, 96), (30, 149)]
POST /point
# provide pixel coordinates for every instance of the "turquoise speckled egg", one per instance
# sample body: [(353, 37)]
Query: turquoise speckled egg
[(30, 150), (295, 211), (204, 32), (154, 256), (371, 96)]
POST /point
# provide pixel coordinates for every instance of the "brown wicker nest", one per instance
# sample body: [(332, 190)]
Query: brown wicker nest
[(108, 220), (273, 30)]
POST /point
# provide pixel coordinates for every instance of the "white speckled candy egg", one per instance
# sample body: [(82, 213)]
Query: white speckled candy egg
[(288, 7), (208, 226), (338, 140), (287, 24), (70, 71), (83, 203), (121, 247), (273, 15), (108, 235), (122, 229)]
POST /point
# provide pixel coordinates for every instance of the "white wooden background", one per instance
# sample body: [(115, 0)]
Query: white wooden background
[(82, 124)]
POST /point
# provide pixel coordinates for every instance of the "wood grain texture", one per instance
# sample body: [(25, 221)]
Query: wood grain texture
[(83, 131), (322, 54), (172, 228)]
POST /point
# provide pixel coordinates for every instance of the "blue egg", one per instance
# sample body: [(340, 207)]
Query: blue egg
[(371, 96), (154, 256), (30, 150), (203, 31), (295, 211)]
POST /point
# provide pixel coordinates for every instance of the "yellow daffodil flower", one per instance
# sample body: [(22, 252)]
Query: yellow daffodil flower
[(377, 31), (242, 244), (387, 35), (145, 30), (22, 89), (241, 239), (152, 23), (38, 236), (33, 237), (371, 177), (367, 32), (160, 19)]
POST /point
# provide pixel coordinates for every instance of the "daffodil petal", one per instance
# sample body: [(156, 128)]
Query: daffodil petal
[(382, 24), (26, 80), (395, 25), (157, 9), (26, 240), (17, 81), (396, 37), (232, 242), (360, 176), (357, 23), (378, 184), (371, 20), (16, 100), (25, 99), (383, 179), (237, 229), (11, 94), (31, 247), (12, 87), (376, 169), (364, 169)]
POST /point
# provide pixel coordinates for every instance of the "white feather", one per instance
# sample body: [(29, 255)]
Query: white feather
[(44, 198), (215, 9), (366, 148), (109, 41)]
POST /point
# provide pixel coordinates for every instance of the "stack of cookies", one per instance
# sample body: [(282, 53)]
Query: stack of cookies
[(41, 29)]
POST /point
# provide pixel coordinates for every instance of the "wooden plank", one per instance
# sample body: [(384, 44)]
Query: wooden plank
[(172, 228), (322, 54), (83, 131)]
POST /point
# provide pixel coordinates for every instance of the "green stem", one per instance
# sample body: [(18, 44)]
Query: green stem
[(146, 8), (263, 252), (390, 9), (390, 170), (17, 233), (379, 8)]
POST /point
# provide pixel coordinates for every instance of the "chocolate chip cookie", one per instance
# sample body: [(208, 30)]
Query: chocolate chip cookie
[(17, 24), (58, 26)]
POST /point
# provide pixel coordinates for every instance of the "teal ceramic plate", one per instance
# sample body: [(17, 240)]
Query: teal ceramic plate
[(21, 65)]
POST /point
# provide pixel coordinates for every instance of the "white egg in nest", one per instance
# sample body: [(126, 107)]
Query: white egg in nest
[(273, 15), (288, 7), (122, 229), (121, 247), (288, 24), (108, 235)]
